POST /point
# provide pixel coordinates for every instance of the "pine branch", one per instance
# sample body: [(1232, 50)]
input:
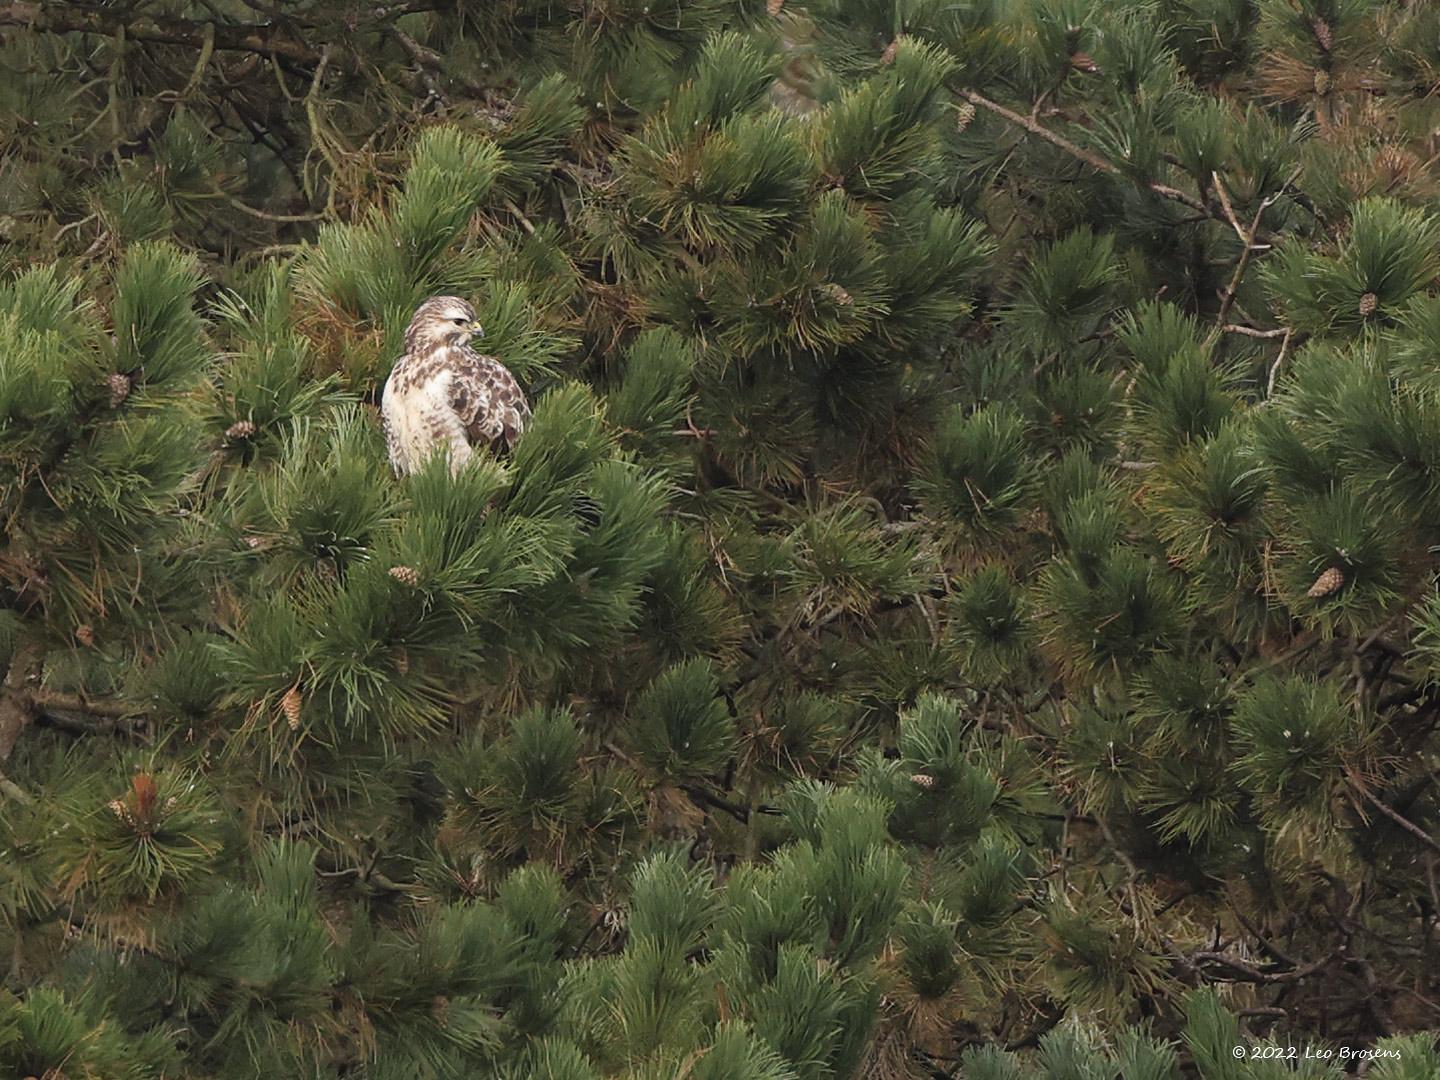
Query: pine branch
[(740, 813), (17, 704), (1245, 972), (1092, 159), (271, 40), (1395, 816), (268, 40), (427, 63), (1278, 364), (735, 810), (48, 700), (1265, 943), (12, 790), (1250, 331), (1247, 238)]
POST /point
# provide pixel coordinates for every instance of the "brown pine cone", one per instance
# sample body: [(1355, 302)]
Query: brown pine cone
[(921, 780), (85, 635), (406, 575), (1368, 303), (119, 388), (1322, 83), (1323, 37), (1327, 583), (241, 429), (964, 115), (290, 706)]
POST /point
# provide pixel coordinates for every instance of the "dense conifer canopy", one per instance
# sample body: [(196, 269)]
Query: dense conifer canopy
[(965, 604)]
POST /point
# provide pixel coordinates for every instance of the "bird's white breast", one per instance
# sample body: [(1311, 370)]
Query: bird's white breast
[(418, 419)]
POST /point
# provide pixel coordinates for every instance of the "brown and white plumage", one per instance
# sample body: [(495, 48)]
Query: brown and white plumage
[(442, 393)]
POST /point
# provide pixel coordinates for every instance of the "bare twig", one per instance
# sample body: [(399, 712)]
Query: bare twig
[(1279, 362), (1250, 331), (695, 791), (427, 62), (1394, 815), (520, 217), (1247, 972), (1120, 853), (265, 215), (1247, 238), (1092, 159), (1228, 209)]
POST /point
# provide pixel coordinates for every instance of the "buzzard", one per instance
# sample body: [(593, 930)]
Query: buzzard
[(442, 393)]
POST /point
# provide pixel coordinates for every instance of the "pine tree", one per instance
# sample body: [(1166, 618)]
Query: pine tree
[(965, 604)]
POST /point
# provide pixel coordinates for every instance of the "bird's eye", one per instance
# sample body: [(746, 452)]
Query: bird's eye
[(458, 322)]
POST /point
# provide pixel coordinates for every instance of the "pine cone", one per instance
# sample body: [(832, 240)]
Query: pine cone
[(241, 429), (921, 780), (327, 571), (774, 6), (406, 575), (119, 388), (1323, 37), (1322, 83), (1327, 583), (402, 660), (964, 115), (290, 706), (1083, 62), (838, 294), (85, 634), (1368, 303), (890, 50)]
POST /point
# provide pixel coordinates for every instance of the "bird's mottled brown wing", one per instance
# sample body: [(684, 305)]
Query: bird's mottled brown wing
[(509, 401), (487, 399)]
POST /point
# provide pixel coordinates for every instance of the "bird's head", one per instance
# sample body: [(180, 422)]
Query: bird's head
[(442, 320)]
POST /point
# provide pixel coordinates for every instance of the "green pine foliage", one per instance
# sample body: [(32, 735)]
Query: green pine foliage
[(965, 604)]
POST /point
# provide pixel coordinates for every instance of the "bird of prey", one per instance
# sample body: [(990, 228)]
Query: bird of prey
[(442, 393)]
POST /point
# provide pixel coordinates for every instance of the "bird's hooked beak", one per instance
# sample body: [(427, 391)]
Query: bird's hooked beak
[(477, 330)]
